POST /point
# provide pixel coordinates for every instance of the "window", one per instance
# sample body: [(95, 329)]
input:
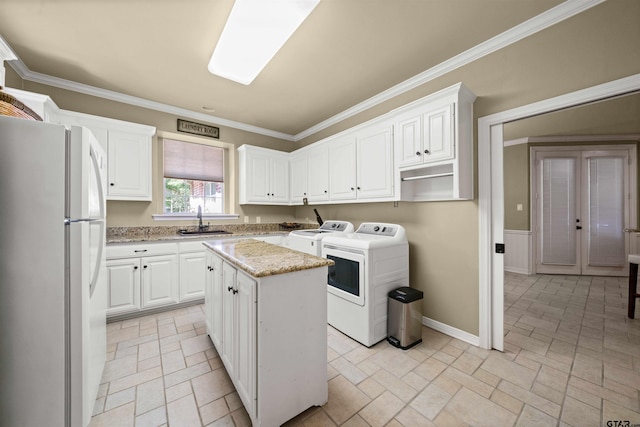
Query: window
[(193, 177)]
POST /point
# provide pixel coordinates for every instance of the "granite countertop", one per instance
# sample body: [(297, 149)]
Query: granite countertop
[(163, 233), (260, 259)]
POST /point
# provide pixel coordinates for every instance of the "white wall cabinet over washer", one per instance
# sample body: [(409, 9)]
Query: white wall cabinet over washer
[(434, 146), (141, 276), (263, 176), (361, 164), (128, 148), (310, 174)]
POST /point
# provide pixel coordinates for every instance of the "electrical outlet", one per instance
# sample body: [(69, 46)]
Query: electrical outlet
[(519, 207), (258, 220), (246, 218)]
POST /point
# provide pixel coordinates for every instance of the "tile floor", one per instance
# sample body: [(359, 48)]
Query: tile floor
[(572, 358)]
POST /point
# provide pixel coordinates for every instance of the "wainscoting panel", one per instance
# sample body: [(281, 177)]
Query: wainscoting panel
[(518, 257)]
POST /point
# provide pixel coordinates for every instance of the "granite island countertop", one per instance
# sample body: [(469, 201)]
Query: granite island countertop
[(260, 259)]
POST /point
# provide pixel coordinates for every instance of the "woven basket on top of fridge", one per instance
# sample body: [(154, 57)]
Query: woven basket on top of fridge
[(10, 106)]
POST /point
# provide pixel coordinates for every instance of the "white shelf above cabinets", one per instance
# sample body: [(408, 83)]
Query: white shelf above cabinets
[(434, 146)]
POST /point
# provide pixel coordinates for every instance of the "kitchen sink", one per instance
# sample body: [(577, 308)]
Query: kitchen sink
[(196, 232)]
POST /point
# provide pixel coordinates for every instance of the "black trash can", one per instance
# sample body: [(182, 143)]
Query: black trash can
[(404, 320)]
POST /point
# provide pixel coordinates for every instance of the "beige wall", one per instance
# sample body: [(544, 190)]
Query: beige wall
[(594, 47)]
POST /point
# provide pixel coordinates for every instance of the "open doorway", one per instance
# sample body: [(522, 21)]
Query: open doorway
[(491, 137)]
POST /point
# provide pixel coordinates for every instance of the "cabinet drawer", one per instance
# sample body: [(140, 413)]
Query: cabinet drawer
[(141, 250), (192, 246)]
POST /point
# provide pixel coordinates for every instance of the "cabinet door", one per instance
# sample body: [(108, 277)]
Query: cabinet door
[(375, 163), (298, 169), (279, 179), (257, 177), (159, 280), (318, 174), (123, 285), (129, 166), (192, 275), (438, 135), (217, 296), (409, 140), (228, 317), (342, 168), (245, 337), (208, 292)]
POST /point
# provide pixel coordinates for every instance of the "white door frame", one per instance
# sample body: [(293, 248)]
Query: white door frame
[(491, 200)]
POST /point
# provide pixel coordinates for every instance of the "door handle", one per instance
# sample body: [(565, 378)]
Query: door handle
[(578, 227)]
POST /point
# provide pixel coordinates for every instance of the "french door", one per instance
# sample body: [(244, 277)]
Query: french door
[(582, 208)]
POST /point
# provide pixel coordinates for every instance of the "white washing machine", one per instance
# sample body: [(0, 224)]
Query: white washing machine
[(368, 264), (309, 241)]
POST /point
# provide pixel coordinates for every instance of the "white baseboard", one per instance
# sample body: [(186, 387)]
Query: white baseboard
[(451, 331)]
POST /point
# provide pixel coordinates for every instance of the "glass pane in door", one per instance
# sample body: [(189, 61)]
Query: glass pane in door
[(559, 211), (606, 212)]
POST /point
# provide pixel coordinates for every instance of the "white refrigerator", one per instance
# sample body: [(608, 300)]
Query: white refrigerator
[(52, 273)]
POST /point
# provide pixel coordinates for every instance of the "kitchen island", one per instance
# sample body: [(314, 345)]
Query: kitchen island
[(266, 314)]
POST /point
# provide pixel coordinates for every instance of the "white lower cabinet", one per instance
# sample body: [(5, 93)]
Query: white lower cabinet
[(159, 280), (154, 274), (193, 262), (271, 335), (123, 285)]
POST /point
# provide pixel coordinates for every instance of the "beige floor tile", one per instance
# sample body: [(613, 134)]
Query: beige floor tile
[(553, 378), (349, 370), (506, 401), (430, 368), (409, 417), (120, 398), (177, 391), (469, 382), (233, 401), (530, 398), (395, 385), (150, 395), (467, 363), (611, 411), (371, 388), (474, 409), (211, 386), (173, 361), (135, 379), (394, 360), (155, 418), (345, 400), (379, 412), (186, 374), (183, 412), (213, 411), (196, 344), (527, 343), (578, 414), (430, 401), (122, 416), (447, 419)]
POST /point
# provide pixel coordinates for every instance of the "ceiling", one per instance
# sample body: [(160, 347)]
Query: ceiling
[(346, 51)]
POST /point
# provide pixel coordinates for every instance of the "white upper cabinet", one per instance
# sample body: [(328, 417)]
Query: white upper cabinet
[(129, 176), (361, 164), (310, 174), (318, 173), (426, 137), (434, 146), (422, 151), (263, 176), (128, 148), (374, 163), (299, 170), (342, 168)]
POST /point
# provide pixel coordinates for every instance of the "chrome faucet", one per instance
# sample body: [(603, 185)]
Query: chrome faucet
[(199, 216)]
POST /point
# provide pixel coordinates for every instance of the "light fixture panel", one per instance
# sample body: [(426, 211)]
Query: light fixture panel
[(254, 32)]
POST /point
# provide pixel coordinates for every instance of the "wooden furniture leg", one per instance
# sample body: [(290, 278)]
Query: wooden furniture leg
[(633, 284)]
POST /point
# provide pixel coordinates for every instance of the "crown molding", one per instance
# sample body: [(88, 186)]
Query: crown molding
[(538, 23), (570, 139)]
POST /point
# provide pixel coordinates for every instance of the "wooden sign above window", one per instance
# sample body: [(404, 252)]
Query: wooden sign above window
[(198, 129)]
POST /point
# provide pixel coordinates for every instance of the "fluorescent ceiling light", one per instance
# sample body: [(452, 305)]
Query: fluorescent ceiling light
[(254, 32)]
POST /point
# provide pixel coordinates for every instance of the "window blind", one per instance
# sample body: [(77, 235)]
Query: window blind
[(186, 160)]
